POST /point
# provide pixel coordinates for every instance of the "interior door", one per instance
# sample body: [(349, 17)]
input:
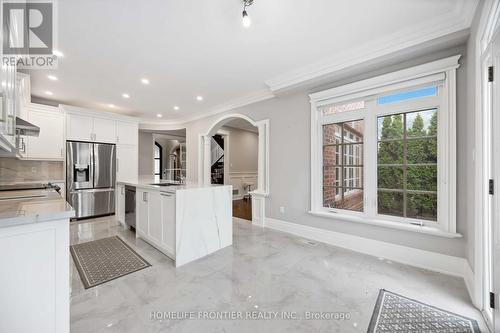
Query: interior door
[(495, 212)]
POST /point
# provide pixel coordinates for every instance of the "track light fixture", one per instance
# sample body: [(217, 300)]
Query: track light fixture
[(245, 18)]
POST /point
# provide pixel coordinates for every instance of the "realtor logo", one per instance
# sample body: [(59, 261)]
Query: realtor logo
[(28, 34)]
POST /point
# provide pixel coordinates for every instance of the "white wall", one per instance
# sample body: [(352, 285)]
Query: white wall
[(242, 159), (289, 160), (243, 150)]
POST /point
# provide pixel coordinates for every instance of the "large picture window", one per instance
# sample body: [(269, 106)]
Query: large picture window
[(343, 165), (407, 164), (383, 150)]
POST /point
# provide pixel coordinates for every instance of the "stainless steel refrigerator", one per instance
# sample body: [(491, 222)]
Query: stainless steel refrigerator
[(90, 178)]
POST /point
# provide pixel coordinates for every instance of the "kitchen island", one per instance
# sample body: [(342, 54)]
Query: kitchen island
[(186, 222), (34, 242)]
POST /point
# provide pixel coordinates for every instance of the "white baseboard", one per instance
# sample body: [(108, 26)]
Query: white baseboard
[(433, 261)]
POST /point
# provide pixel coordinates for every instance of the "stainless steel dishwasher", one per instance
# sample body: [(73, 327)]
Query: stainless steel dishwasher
[(130, 206)]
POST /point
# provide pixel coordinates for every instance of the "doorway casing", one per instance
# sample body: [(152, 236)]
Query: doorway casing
[(489, 25), (260, 194)]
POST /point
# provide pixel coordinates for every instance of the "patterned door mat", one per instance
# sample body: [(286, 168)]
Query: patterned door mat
[(104, 260), (396, 313)]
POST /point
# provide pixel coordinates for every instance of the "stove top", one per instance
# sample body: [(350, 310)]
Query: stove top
[(29, 186)]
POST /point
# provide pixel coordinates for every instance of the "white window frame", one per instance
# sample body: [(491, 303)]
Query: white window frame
[(440, 73)]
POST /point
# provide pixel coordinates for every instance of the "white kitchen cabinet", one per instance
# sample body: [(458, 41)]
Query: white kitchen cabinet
[(168, 222), (49, 145), (127, 133), (120, 203), (166, 219), (36, 277), (88, 128), (127, 162), (141, 213), (154, 217), (79, 128), (104, 130)]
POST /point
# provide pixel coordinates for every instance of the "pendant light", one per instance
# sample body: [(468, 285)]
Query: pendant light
[(246, 21)]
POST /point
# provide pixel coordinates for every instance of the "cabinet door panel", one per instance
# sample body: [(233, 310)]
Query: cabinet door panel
[(127, 133), (155, 225), (50, 143), (126, 163), (168, 222), (120, 203), (142, 212), (79, 128), (104, 130)]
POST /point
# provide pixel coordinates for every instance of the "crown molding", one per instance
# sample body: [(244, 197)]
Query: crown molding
[(429, 72), (254, 97), (447, 24), (71, 109)]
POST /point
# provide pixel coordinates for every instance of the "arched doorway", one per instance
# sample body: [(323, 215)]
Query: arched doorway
[(261, 191)]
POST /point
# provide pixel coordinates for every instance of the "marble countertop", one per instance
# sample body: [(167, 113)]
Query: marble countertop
[(147, 182), (45, 205)]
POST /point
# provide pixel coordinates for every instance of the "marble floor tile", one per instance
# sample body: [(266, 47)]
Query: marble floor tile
[(265, 271)]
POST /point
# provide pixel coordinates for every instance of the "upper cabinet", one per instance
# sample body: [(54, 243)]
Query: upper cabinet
[(104, 130), (79, 128), (49, 145), (89, 128), (8, 105), (127, 133)]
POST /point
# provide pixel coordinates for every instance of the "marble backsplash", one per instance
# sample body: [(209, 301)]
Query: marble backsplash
[(13, 170)]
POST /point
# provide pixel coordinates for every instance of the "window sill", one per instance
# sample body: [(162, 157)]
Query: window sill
[(387, 224)]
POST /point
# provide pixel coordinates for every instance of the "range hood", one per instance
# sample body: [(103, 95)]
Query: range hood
[(25, 128)]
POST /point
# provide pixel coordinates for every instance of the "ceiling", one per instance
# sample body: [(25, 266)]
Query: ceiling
[(188, 48)]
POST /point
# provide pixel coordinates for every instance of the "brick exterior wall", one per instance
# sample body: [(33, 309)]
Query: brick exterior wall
[(331, 135)]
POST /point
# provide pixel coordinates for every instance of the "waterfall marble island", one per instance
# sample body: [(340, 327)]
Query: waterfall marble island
[(185, 222)]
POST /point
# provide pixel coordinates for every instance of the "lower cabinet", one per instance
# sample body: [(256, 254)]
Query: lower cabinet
[(155, 219), (120, 203), (168, 222), (141, 213), (35, 279)]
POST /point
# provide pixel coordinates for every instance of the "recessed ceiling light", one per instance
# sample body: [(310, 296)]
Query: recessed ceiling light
[(159, 115), (176, 108), (124, 95), (112, 106), (52, 77), (144, 81), (58, 54), (199, 98), (50, 93)]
